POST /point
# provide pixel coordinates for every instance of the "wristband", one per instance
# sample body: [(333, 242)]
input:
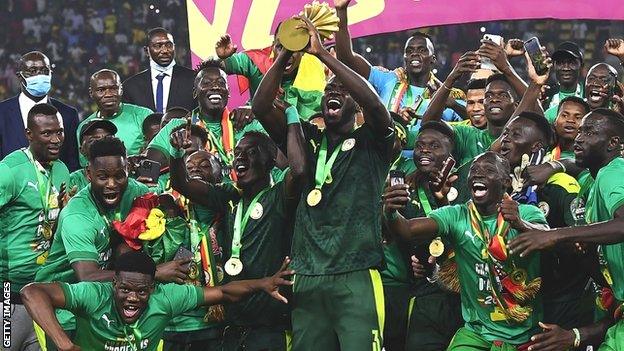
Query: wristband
[(177, 153), (577, 337), (447, 88), (292, 116)]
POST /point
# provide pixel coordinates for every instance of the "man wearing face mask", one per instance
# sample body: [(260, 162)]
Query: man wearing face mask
[(34, 73), (169, 83)]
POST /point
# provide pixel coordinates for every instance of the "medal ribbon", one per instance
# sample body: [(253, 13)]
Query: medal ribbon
[(224, 146), (199, 240), (136, 345), (496, 244), (556, 153), (324, 166), (401, 87), (424, 201), (240, 222), (43, 186)]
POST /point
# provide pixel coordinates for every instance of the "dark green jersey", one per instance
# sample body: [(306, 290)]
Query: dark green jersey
[(83, 234), (342, 233), (99, 326), (478, 307), (25, 224), (470, 142), (265, 242)]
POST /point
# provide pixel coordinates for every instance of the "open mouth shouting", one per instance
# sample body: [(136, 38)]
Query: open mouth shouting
[(596, 95), (333, 106), (130, 311), (215, 99), (241, 169), (479, 190), (111, 198)]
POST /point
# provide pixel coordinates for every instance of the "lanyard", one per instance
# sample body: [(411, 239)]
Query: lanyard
[(136, 333), (323, 165), (502, 227), (224, 144), (424, 201), (240, 222), (43, 185)]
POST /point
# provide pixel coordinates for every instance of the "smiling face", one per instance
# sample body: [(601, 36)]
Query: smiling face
[(108, 176), (475, 109), (337, 105), (599, 86), (45, 138), (431, 150), (161, 48), (105, 90), (568, 120), (568, 70), (249, 163), (198, 166), (211, 90), (488, 180), (418, 55), (519, 137), (132, 291), (499, 102), (592, 141)]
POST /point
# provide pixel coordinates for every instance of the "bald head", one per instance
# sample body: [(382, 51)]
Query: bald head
[(104, 73), (33, 56)]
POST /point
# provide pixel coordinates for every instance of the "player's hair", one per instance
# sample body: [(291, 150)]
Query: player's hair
[(476, 84), (268, 149), (151, 120), (576, 100), (106, 146), (210, 62), (136, 262), (501, 77), (44, 109), (196, 131), (422, 35), (154, 31), (441, 127), (173, 112), (614, 118), (543, 126), (504, 169)]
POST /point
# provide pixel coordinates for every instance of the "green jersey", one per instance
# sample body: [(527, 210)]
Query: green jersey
[(28, 209), (342, 233), (77, 179), (129, 122), (470, 142), (83, 234), (99, 326), (265, 242), (162, 144), (308, 103), (551, 112), (605, 198), (479, 310)]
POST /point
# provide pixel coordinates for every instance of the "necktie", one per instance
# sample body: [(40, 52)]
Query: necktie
[(159, 92)]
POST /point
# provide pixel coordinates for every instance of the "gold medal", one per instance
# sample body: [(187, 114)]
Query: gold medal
[(220, 275), (436, 247), (348, 144), (257, 211), (233, 266), (193, 271), (314, 197), (53, 201), (46, 230)]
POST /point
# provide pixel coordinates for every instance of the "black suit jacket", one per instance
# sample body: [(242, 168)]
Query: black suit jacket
[(137, 89), (13, 136)]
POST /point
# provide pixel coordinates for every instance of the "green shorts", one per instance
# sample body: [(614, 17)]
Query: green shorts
[(338, 312), (433, 320), (466, 340), (614, 340)]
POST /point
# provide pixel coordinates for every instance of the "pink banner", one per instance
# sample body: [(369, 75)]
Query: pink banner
[(251, 22)]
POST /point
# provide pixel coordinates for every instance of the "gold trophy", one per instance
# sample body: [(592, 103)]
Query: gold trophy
[(322, 16)]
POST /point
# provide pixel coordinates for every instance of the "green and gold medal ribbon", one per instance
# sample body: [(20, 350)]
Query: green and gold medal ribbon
[(240, 222), (424, 201)]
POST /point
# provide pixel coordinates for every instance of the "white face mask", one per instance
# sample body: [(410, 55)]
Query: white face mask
[(158, 68)]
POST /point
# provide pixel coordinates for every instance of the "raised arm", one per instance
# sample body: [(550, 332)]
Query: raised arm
[(237, 290), (375, 113), (295, 149), (497, 55), (395, 198), (344, 50), (272, 119), (40, 299), (467, 64)]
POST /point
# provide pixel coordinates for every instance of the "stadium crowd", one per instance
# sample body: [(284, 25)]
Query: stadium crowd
[(347, 206)]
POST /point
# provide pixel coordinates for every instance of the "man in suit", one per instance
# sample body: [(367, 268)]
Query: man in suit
[(165, 84), (35, 75)]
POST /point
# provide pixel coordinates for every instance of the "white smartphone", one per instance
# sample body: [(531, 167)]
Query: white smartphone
[(498, 40)]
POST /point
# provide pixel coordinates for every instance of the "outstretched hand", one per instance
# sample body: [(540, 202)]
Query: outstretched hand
[(315, 47), (224, 47), (532, 240), (271, 285), (552, 338), (615, 47)]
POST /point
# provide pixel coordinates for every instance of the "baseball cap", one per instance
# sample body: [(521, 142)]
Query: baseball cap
[(98, 123), (567, 48)]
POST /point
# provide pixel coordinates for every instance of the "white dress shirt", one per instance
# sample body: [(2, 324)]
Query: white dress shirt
[(26, 103), (166, 85)]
